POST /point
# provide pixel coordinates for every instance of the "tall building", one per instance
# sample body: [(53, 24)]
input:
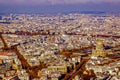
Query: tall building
[(99, 50)]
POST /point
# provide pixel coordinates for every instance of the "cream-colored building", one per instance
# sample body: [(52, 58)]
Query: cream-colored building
[(99, 50), (58, 68)]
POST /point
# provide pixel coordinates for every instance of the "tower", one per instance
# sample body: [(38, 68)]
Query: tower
[(99, 50)]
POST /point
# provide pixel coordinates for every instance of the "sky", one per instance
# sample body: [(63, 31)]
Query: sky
[(58, 6), (52, 2)]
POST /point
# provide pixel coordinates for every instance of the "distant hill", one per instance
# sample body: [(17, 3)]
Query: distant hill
[(92, 12)]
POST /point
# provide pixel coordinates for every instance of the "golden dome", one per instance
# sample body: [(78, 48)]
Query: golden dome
[(99, 42)]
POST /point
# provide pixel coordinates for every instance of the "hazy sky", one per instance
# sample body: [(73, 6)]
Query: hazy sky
[(53, 2), (44, 6)]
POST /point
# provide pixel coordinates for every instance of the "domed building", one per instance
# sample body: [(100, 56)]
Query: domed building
[(99, 50)]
